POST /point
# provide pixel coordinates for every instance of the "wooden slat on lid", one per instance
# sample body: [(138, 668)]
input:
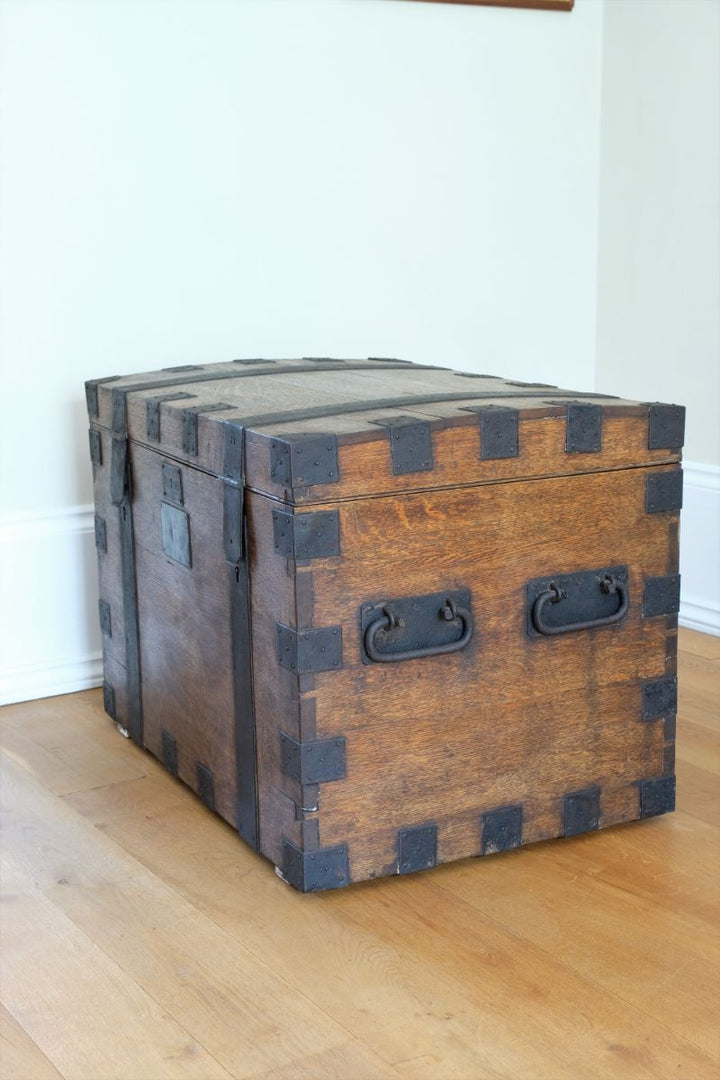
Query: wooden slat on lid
[(373, 427)]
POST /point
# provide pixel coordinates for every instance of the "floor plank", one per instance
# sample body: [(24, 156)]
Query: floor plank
[(213, 986), (473, 1000), (66, 756), (82, 1010), (129, 908), (352, 1060), (697, 792), (20, 1058), (705, 645), (632, 934), (698, 681)]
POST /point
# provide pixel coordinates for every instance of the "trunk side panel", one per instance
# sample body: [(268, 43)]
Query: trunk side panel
[(185, 640), (510, 719)]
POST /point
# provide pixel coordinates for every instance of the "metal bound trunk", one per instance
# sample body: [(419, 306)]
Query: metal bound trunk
[(381, 616)]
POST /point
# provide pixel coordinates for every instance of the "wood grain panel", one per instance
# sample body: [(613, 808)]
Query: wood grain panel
[(185, 630), (276, 689), (109, 562), (509, 719), (366, 467)]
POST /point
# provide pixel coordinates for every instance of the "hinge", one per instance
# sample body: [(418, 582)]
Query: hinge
[(119, 469), (169, 752), (91, 394), (307, 535), (666, 426), (659, 698), (96, 456), (657, 796), (172, 483), (234, 452), (233, 523), (581, 811), (105, 618), (205, 784), (661, 596), (100, 535), (417, 848), (175, 532), (190, 423), (152, 412), (502, 829), (109, 701), (499, 431), (314, 762), (663, 491), (583, 434), (410, 444), (304, 460), (305, 651), (315, 871)]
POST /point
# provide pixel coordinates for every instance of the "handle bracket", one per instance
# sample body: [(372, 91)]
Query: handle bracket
[(567, 602), (413, 627)]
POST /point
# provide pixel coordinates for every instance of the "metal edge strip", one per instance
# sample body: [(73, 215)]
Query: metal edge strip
[(132, 624), (390, 403), (238, 568), (279, 369)]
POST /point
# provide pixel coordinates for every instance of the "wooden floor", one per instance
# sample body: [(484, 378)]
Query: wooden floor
[(141, 939)]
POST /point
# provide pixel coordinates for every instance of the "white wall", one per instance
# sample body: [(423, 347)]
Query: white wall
[(659, 249), (203, 179)]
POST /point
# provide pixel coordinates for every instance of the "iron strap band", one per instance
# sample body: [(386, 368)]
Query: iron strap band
[(134, 721), (291, 416), (119, 393), (243, 695), (235, 550)]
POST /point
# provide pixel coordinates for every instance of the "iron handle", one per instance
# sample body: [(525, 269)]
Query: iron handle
[(554, 594), (450, 612)]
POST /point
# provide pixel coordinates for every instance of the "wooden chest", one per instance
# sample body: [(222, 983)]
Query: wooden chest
[(381, 616)]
